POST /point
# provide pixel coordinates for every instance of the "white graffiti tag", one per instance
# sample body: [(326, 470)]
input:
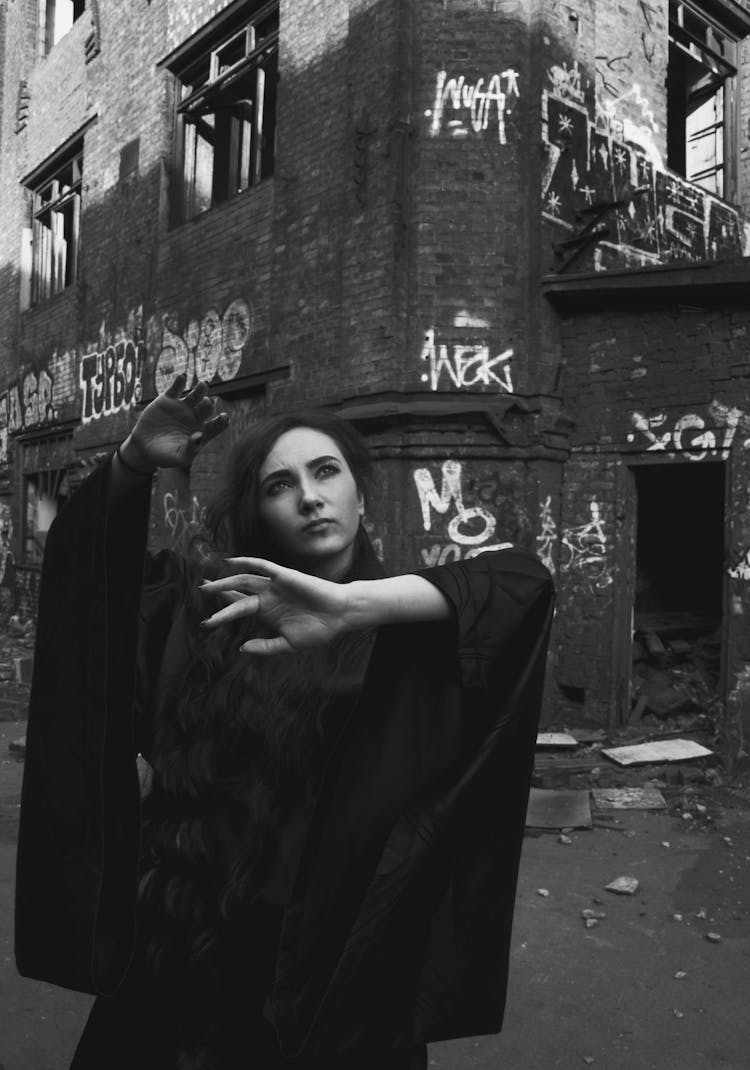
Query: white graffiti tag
[(469, 531), (584, 549), (207, 349), (741, 570), (182, 523), (690, 437), (466, 365), (478, 99), (451, 492), (547, 537)]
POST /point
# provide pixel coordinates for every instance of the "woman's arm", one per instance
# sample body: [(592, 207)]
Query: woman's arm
[(303, 611), (394, 600)]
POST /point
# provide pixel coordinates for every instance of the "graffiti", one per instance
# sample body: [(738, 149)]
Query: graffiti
[(477, 102), (3, 430), (566, 83), (663, 217), (547, 537), (27, 403), (208, 349), (36, 392), (583, 549), (110, 380), (8, 592), (690, 437), (741, 571), (182, 523), (465, 365), (470, 531), (623, 128), (6, 535)]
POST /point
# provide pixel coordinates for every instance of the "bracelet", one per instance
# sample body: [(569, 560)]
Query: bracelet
[(129, 467)]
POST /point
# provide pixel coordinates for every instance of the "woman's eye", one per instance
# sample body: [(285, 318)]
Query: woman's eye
[(277, 487), (328, 470)]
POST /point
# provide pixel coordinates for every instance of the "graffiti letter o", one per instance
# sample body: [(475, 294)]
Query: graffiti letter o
[(457, 536)]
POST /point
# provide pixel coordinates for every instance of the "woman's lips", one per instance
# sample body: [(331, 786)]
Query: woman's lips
[(318, 525)]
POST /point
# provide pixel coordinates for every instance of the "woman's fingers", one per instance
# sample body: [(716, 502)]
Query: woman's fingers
[(279, 645), (175, 388), (232, 596), (204, 409), (196, 395), (245, 606), (215, 426), (244, 583), (257, 564)]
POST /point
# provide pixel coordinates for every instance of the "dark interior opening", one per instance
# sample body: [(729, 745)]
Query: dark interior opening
[(678, 591), (680, 544)]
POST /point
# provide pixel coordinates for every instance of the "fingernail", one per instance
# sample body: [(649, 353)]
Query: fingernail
[(205, 623)]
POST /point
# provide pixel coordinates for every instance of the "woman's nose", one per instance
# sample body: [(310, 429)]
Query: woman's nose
[(309, 496)]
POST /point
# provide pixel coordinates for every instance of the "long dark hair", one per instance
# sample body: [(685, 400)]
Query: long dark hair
[(246, 738)]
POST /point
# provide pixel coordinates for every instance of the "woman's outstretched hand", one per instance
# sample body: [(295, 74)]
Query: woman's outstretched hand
[(304, 611), (299, 610), (172, 428)]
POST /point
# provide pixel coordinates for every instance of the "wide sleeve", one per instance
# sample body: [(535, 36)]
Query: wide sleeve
[(80, 808), (502, 603), (408, 877)]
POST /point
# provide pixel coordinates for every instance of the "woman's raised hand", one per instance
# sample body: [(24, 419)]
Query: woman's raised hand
[(171, 429), (299, 610)]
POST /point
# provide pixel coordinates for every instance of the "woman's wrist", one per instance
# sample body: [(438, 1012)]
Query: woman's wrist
[(133, 460)]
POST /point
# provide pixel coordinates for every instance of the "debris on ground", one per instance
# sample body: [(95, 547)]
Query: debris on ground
[(623, 886), (556, 739), (645, 798), (656, 751), (544, 892), (591, 917), (550, 809), (714, 938)]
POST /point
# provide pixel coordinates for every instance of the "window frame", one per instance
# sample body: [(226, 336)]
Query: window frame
[(726, 72), (239, 157), (55, 254), (49, 37)]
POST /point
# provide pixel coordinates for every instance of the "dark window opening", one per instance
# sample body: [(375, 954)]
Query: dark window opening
[(59, 16), (700, 98), (56, 219), (227, 114), (679, 587)]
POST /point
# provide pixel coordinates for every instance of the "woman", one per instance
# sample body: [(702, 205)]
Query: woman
[(323, 872)]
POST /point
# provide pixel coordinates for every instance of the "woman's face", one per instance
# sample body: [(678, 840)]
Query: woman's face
[(309, 503)]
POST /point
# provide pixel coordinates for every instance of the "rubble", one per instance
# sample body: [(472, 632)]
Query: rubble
[(623, 886)]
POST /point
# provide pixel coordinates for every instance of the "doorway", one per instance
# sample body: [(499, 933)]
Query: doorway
[(679, 582)]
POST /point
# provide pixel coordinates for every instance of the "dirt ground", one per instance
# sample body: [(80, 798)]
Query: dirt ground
[(658, 983)]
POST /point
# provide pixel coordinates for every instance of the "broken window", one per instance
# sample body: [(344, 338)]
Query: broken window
[(45, 493), (701, 87), (59, 16), (56, 220), (227, 111)]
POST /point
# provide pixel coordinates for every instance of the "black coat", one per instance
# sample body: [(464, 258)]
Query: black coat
[(398, 928)]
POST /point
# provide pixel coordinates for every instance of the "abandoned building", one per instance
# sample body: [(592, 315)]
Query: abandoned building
[(504, 237)]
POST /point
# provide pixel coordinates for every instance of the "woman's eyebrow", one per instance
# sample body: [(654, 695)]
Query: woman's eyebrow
[(287, 472)]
